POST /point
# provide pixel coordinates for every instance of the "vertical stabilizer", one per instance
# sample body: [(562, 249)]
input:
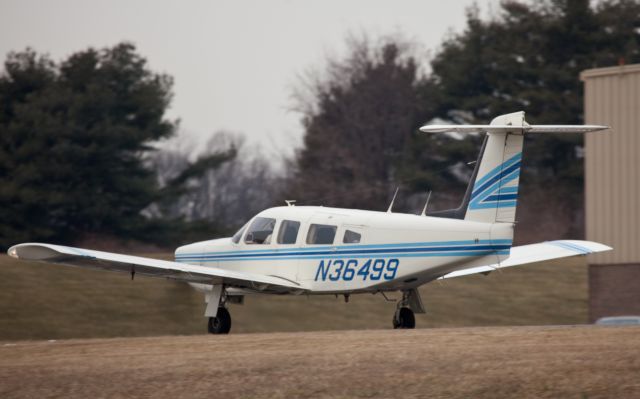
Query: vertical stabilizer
[(492, 195), (495, 190)]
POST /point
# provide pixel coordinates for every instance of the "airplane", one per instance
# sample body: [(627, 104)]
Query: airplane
[(315, 250)]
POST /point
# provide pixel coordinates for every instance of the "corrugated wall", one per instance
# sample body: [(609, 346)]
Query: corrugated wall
[(612, 167)]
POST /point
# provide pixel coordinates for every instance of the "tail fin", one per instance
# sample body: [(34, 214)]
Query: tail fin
[(494, 193)]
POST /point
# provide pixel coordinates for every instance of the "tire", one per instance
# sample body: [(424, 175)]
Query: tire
[(405, 319), (221, 324)]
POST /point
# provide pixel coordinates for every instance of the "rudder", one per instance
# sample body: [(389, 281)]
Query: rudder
[(495, 192)]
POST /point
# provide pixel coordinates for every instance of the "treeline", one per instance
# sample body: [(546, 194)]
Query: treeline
[(77, 153), (361, 115)]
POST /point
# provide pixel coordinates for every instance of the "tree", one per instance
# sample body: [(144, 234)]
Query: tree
[(361, 120), (223, 197), (71, 139), (357, 121), (529, 57)]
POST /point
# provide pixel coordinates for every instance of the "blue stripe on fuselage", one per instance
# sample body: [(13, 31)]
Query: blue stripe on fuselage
[(356, 246), (339, 256), (357, 251)]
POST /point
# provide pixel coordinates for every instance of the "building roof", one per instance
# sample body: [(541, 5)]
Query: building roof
[(614, 70)]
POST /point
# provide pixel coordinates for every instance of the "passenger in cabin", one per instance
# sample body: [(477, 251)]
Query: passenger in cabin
[(260, 231)]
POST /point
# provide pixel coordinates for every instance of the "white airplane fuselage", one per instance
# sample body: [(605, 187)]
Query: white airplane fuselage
[(369, 251)]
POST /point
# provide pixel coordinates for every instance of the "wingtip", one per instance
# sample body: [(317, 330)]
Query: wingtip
[(591, 246), (13, 252), (33, 251), (426, 128), (600, 128)]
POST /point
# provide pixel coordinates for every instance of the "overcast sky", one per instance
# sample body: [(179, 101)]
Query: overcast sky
[(234, 62)]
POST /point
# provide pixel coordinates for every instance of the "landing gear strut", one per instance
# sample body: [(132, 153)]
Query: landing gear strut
[(216, 311), (404, 316)]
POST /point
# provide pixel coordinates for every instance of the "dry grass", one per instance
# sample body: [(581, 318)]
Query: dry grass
[(41, 301), (490, 362)]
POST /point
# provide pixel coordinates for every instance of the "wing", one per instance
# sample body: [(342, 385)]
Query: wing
[(532, 253), (90, 259)]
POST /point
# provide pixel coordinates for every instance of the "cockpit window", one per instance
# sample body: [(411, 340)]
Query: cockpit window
[(238, 235), (288, 233), (351, 237), (260, 231), (321, 234)]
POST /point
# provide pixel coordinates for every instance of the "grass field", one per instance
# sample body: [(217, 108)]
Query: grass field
[(41, 301), (478, 362)]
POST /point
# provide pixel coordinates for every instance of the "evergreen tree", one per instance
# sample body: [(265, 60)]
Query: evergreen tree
[(529, 57), (71, 140)]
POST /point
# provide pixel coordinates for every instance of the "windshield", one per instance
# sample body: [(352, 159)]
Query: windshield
[(238, 235), (260, 231)]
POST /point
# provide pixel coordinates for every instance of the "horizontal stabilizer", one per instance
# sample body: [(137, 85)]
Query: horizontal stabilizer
[(90, 259), (533, 253), (508, 128)]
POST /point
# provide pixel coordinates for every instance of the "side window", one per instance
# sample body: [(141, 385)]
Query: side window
[(288, 233), (260, 231), (351, 237), (236, 237), (321, 234)]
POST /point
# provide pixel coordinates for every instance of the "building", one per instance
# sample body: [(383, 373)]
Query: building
[(612, 189)]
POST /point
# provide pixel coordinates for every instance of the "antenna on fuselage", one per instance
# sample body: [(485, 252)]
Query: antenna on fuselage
[(290, 202), (426, 204), (393, 200)]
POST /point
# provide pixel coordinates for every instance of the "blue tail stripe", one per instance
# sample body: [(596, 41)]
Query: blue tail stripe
[(490, 183), (500, 197), (511, 189), (479, 203), (494, 205), (497, 186), (498, 168)]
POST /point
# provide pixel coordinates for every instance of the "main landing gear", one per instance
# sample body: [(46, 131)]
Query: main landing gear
[(216, 311), (404, 316), (221, 323)]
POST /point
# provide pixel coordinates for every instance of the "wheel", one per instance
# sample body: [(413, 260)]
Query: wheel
[(221, 324), (407, 318), (404, 318)]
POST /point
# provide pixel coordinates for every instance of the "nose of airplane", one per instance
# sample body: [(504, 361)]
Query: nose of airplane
[(194, 252), (194, 249)]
